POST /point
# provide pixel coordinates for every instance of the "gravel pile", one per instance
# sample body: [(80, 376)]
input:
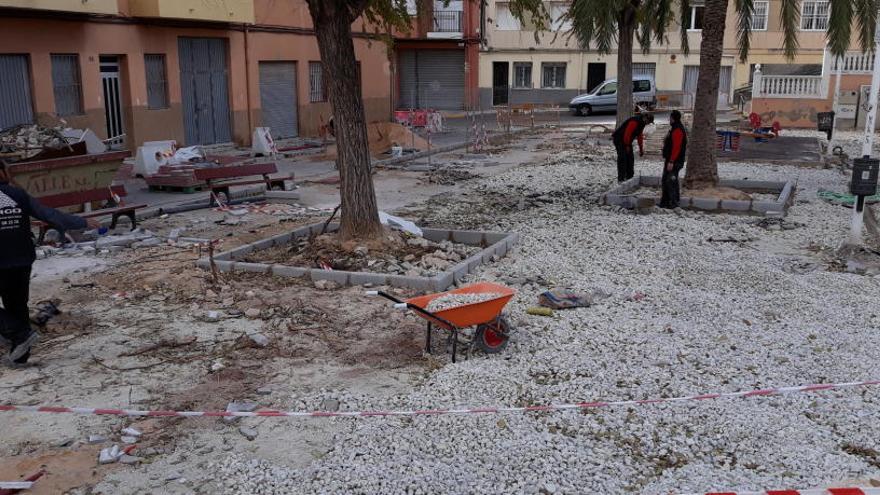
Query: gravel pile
[(714, 317), (450, 301)]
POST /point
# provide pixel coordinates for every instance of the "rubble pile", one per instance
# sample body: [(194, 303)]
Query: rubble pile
[(450, 301), (416, 256), (26, 141)]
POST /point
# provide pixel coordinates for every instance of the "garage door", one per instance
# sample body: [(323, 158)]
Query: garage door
[(278, 98), (431, 79), (15, 91), (204, 90)]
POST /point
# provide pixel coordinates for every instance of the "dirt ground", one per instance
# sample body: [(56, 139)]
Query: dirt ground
[(146, 329)]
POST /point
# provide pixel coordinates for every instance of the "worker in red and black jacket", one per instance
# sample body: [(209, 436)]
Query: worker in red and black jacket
[(623, 138), (674, 149), (17, 254)]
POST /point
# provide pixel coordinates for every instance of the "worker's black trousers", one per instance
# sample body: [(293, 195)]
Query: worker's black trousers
[(625, 162), (671, 190), (15, 287)]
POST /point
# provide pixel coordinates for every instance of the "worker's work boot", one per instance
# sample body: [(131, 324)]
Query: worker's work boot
[(23, 347)]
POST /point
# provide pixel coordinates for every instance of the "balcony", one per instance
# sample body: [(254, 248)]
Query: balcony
[(446, 24), (238, 11), (76, 6)]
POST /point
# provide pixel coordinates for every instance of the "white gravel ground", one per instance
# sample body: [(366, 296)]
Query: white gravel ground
[(716, 317)]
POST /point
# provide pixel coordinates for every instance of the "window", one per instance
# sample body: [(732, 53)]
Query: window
[(641, 86), (157, 81), (696, 18), (814, 15), (67, 85), (504, 18), (317, 86), (759, 16), (645, 69), (522, 74), (557, 12), (608, 89), (553, 75)]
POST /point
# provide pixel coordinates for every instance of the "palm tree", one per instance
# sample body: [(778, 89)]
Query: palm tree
[(702, 168), (604, 23)]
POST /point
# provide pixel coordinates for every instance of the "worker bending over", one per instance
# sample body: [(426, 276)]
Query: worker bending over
[(623, 138)]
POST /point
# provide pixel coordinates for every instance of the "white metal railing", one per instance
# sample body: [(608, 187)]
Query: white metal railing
[(792, 86), (854, 63)]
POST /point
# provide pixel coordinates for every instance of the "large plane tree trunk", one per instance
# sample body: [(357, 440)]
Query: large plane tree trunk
[(702, 164), (627, 25), (332, 20)]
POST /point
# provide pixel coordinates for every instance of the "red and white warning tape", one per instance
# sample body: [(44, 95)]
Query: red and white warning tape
[(437, 412), (821, 491)]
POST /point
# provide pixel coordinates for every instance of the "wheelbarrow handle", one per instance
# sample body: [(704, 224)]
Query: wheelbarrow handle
[(403, 304)]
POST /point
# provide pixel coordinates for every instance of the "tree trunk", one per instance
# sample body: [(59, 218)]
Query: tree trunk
[(702, 164), (626, 24), (360, 213)]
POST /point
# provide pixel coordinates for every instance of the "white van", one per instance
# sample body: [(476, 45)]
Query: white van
[(604, 97)]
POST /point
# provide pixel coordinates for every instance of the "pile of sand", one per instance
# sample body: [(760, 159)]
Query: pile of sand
[(382, 136)]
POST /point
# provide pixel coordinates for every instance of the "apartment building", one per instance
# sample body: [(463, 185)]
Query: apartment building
[(199, 72), (767, 39), (517, 68), (437, 62)]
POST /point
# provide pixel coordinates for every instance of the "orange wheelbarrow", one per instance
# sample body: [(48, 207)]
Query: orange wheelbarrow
[(492, 330)]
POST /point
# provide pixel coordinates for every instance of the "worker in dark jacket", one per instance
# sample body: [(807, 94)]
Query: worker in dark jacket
[(674, 149), (623, 138), (17, 254)]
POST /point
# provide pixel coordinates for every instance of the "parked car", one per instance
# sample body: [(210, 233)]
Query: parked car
[(604, 97)]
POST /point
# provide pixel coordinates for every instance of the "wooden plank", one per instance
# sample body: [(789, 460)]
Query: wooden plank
[(235, 171), (55, 163), (81, 197)]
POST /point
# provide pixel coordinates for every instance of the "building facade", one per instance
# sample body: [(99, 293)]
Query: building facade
[(193, 71), (437, 62), (515, 67)]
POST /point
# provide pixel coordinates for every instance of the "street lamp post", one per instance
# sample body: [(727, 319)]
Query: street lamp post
[(858, 218)]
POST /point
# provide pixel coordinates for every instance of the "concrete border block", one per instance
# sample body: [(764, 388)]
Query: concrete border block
[(684, 202), (468, 237), (649, 181), (290, 271), (437, 235), (280, 240), (474, 261), (302, 232), (752, 185), (204, 263), (361, 278), (705, 203), (495, 237), (513, 239), (767, 206), (459, 271), (262, 244), (337, 276), (253, 267), (224, 266), (735, 205), (499, 248), (418, 283), (443, 281)]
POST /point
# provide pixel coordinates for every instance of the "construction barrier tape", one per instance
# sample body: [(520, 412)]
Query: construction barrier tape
[(437, 412), (821, 491)]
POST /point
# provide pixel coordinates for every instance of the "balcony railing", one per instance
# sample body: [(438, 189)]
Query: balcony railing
[(854, 63), (447, 21), (792, 87)]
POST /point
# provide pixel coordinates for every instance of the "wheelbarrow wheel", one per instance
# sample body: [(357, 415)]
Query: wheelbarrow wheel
[(492, 337)]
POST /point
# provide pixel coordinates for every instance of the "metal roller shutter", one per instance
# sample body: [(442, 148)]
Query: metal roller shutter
[(15, 91), (278, 98), (432, 79), (204, 90)]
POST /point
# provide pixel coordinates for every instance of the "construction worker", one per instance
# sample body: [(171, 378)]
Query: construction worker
[(17, 254), (674, 149), (623, 138)]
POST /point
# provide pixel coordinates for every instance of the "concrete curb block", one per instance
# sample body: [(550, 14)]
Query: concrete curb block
[(621, 196), (499, 244)]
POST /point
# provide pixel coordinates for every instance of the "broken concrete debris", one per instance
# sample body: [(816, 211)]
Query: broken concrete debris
[(238, 407), (249, 433), (450, 301)]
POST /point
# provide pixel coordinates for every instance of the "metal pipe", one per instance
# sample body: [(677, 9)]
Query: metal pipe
[(247, 82)]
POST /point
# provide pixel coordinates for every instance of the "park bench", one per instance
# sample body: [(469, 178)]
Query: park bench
[(220, 179), (107, 195)]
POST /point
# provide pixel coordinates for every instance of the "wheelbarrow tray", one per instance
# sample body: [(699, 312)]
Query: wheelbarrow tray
[(469, 314)]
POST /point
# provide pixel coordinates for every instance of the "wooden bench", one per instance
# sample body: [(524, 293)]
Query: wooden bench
[(80, 198), (220, 179)]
